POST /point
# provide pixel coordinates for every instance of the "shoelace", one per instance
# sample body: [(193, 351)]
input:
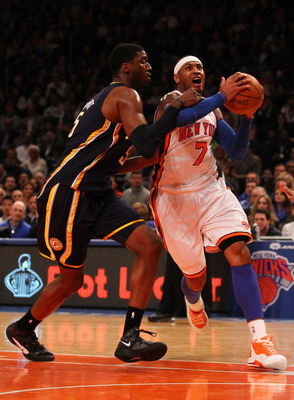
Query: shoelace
[(149, 333), (198, 317), (136, 335), (268, 346), (32, 341)]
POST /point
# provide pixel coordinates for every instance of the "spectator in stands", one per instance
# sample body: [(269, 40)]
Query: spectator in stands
[(262, 219), (263, 201), (281, 205), (40, 179), (5, 208), (9, 184), (278, 169), (17, 195), (253, 176), (137, 191), (18, 228), (23, 178), (244, 198), (35, 163), (28, 190), (32, 215), (257, 191)]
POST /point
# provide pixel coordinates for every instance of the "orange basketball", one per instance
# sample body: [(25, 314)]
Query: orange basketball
[(247, 99), (268, 289)]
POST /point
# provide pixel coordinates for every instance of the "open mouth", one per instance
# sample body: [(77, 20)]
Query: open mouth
[(196, 81)]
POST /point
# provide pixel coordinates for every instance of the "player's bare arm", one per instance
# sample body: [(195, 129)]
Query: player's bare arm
[(124, 105)]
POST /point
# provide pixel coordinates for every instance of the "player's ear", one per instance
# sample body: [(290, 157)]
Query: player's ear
[(125, 67), (177, 78)]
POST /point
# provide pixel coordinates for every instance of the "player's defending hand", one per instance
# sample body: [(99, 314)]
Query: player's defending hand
[(234, 84), (187, 99)]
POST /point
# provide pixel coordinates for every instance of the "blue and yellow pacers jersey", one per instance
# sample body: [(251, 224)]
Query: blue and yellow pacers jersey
[(95, 149)]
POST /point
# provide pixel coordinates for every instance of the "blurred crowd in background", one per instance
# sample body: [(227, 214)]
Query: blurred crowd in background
[(54, 58)]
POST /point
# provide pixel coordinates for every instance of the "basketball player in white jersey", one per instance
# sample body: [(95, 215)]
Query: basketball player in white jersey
[(193, 209)]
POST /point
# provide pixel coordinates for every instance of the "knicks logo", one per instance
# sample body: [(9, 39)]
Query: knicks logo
[(55, 244), (246, 225), (274, 273)]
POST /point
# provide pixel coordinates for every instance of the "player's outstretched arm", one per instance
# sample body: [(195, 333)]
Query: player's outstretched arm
[(227, 90), (147, 139)]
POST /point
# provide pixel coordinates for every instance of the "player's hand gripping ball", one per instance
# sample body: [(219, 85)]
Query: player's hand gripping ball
[(247, 101)]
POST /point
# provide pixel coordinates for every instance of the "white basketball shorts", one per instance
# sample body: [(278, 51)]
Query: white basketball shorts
[(191, 221)]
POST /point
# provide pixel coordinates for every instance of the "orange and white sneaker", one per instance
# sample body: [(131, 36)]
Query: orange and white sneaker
[(263, 354), (198, 320)]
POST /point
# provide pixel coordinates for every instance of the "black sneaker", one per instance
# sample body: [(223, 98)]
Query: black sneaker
[(28, 343), (159, 317), (132, 347)]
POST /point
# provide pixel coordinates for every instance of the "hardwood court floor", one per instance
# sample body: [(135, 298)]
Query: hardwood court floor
[(206, 367)]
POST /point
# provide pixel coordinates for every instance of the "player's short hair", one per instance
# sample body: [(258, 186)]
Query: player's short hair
[(124, 52)]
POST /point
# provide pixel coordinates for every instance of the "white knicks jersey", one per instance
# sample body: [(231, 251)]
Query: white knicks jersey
[(186, 161)]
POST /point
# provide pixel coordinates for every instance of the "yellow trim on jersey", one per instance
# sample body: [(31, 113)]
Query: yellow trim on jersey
[(71, 217), (48, 217), (78, 179), (91, 137), (122, 227)]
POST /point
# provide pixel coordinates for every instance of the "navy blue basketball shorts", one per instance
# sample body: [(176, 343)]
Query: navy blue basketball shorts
[(69, 219)]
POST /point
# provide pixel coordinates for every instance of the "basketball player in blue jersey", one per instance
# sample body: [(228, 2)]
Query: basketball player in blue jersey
[(193, 209), (77, 203)]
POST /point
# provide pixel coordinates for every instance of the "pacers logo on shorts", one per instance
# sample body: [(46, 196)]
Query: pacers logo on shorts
[(55, 244)]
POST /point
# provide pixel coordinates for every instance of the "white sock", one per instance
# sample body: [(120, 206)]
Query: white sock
[(257, 329), (197, 306)]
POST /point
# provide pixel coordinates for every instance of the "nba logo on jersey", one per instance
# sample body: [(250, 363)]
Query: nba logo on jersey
[(133, 315)]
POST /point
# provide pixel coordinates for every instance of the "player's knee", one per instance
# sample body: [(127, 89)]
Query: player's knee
[(146, 245), (197, 282), (238, 254), (153, 247), (72, 281)]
